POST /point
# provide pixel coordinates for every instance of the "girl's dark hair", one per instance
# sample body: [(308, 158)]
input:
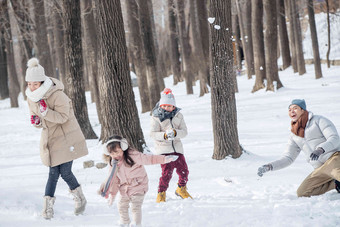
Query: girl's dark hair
[(112, 146)]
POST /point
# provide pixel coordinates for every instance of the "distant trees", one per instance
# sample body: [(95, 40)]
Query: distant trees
[(314, 36), (270, 45), (164, 37)]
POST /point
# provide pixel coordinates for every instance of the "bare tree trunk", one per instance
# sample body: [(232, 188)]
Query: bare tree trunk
[(314, 35), (160, 68), (298, 39), (13, 83), (329, 35), (258, 44), (74, 66), (21, 13), (236, 36), (174, 52), (270, 45), (150, 52), (91, 50), (283, 35), (223, 103), (185, 47), (288, 6), (4, 92), (50, 36), (198, 49), (202, 14), (137, 53), (58, 30), (41, 41), (244, 10), (117, 98)]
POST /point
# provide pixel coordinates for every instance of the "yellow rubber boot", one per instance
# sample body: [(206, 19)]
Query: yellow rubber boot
[(182, 192), (161, 197)]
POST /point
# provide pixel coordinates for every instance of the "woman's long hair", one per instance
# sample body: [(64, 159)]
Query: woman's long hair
[(111, 147)]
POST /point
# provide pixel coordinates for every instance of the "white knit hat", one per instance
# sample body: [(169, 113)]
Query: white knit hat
[(35, 72), (167, 98)]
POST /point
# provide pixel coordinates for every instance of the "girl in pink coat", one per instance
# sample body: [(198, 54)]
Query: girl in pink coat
[(128, 176)]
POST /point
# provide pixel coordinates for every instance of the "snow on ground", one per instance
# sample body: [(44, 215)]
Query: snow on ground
[(263, 128)]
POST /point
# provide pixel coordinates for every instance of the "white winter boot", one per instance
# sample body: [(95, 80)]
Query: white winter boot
[(80, 201), (47, 212)]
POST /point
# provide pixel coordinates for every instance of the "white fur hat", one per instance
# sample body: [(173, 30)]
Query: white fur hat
[(167, 98), (35, 72)]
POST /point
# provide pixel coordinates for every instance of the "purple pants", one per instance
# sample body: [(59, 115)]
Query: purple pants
[(167, 169)]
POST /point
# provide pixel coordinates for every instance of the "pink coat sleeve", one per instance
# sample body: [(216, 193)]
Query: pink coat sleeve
[(147, 159)]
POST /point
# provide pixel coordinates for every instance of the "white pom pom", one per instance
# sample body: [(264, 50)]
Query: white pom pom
[(33, 62)]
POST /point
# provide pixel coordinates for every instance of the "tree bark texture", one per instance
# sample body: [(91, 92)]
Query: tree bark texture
[(288, 7), (236, 37), (13, 83), (202, 14), (270, 45), (223, 103), (119, 109), (58, 30), (200, 60), (24, 22), (298, 39), (312, 27), (185, 47), (329, 35), (258, 44), (244, 12), (74, 66), (283, 35), (41, 41), (150, 52), (4, 92), (174, 52), (160, 67), (138, 54), (91, 51)]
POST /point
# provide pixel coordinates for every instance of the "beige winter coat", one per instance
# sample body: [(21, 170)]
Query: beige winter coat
[(61, 138), (158, 129)]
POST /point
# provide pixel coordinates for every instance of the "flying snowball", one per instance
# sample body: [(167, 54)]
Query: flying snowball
[(211, 20)]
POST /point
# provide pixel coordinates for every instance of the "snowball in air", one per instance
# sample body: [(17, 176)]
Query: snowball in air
[(211, 20)]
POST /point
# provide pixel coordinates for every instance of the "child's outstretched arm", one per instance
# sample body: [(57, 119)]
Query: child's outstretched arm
[(147, 159)]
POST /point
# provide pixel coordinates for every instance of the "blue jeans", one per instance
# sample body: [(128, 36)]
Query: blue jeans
[(65, 170)]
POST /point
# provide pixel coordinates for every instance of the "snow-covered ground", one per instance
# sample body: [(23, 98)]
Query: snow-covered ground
[(245, 200)]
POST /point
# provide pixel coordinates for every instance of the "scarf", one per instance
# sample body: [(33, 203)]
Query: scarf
[(114, 164), (38, 94), (163, 114), (298, 127)]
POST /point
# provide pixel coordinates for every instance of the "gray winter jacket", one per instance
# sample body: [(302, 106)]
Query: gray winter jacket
[(319, 132)]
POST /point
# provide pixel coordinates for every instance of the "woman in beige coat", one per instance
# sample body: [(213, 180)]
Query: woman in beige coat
[(62, 140)]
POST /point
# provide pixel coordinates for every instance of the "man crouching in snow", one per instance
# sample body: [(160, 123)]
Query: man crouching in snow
[(317, 137)]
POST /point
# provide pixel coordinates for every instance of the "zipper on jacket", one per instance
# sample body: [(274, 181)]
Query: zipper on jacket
[(172, 142)]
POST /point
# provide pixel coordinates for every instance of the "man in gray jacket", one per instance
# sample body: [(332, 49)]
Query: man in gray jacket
[(318, 138)]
